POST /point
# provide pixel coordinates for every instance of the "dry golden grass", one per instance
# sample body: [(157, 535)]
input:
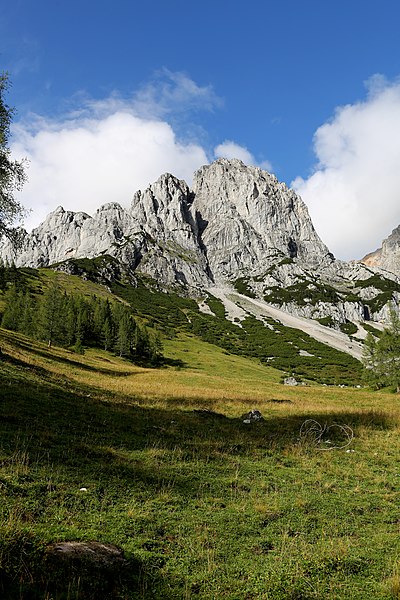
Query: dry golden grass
[(209, 377)]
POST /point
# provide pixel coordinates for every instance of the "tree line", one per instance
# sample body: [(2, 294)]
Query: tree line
[(75, 321)]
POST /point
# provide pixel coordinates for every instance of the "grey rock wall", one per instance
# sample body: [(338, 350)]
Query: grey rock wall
[(237, 222)]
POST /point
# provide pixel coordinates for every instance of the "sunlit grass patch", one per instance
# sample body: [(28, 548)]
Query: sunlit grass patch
[(160, 463)]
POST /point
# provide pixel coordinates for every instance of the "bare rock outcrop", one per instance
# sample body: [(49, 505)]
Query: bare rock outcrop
[(249, 219), (239, 226), (388, 256)]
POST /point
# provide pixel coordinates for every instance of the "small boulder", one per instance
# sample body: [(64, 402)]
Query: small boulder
[(95, 553), (96, 569), (252, 417), (290, 381)]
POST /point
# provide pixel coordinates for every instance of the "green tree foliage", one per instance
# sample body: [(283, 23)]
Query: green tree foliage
[(12, 174), (51, 323), (125, 330), (382, 356), (11, 317), (75, 321)]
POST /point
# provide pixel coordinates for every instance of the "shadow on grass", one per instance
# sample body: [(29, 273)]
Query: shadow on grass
[(58, 359), (162, 362), (122, 450)]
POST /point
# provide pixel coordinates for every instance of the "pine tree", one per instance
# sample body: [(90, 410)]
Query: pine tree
[(12, 313), (124, 334), (382, 356), (51, 315), (28, 323), (101, 315), (107, 334), (70, 321), (156, 347)]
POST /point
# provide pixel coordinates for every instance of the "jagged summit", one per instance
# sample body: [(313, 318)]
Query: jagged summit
[(231, 223), (250, 214), (238, 226)]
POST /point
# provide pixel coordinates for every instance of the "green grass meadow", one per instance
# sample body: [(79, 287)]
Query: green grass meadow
[(203, 505)]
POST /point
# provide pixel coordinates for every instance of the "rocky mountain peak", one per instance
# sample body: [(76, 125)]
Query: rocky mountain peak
[(163, 211), (238, 226), (249, 214)]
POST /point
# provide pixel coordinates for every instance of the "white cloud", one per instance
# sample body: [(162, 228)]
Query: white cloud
[(170, 92), (106, 150), (354, 194), (229, 149), (83, 164)]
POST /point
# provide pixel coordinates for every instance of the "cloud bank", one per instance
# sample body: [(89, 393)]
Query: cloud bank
[(105, 150), (81, 165), (353, 194)]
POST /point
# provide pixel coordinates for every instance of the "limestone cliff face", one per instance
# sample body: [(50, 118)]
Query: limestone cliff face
[(237, 221), (172, 252), (387, 257), (238, 224), (157, 235), (248, 218)]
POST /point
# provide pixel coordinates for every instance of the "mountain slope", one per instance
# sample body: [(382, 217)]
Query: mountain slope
[(260, 309), (261, 332), (238, 226)]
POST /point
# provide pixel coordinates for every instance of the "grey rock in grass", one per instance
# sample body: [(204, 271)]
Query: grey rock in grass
[(96, 553), (290, 381), (254, 416), (89, 569)]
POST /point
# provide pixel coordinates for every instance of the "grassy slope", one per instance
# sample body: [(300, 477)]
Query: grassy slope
[(211, 507), (284, 348), (275, 344)]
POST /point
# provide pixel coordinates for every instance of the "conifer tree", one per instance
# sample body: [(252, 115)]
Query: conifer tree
[(382, 356), (107, 334), (125, 332), (27, 323), (70, 321), (156, 347), (51, 314), (12, 313)]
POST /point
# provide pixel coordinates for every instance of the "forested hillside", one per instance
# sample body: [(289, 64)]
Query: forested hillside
[(132, 321)]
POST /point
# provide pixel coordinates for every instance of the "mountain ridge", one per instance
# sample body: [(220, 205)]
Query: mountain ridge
[(237, 225)]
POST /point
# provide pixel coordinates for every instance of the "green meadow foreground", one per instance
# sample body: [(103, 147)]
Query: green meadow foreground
[(160, 463)]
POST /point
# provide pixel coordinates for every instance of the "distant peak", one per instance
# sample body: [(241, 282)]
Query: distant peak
[(109, 206), (234, 162), (59, 210), (168, 177)]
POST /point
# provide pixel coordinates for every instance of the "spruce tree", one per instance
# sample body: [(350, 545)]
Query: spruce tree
[(125, 332), (51, 315), (382, 356), (12, 312)]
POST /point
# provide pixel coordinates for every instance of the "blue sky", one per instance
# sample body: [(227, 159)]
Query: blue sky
[(301, 88)]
